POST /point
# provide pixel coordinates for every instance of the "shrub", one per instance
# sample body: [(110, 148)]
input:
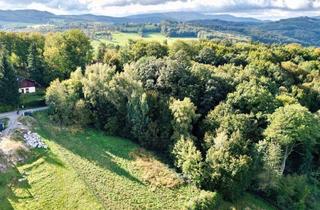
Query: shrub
[(112, 126), (229, 166), (292, 192), (205, 201), (189, 159), (6, 108)]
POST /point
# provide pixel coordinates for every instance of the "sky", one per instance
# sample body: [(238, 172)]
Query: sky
[(262, 9)]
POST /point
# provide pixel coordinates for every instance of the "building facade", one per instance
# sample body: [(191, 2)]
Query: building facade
[(27, 86)]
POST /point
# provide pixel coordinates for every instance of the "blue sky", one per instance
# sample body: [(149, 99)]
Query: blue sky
[(263, 9)]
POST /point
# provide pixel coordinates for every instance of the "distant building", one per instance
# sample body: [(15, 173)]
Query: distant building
[(27, 86)]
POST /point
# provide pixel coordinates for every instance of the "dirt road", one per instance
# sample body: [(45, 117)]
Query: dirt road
[(13, 119)]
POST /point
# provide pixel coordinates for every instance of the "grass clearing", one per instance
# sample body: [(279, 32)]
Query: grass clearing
[(31, 100), (247, 202), (122, 39), (85, 169)]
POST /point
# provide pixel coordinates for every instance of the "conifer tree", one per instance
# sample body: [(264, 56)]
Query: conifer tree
[(9, 94)]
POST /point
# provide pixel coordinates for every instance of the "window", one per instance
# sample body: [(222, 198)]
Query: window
[(27, 90)]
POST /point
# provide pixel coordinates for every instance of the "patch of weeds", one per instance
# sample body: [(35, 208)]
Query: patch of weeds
[(153, 171), (28, 121), (17, 135)]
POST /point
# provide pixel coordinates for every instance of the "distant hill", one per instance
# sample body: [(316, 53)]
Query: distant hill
[(26, 16), (38, 17), (185, 16), (34, 16), (302, 30)]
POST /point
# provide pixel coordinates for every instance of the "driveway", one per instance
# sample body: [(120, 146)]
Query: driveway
[(13, 119)]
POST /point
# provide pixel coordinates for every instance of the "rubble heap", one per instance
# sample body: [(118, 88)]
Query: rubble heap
[(34, 140)]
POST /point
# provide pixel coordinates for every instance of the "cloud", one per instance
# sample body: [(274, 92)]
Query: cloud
[(140, 2), (62, 5), (126, 7)]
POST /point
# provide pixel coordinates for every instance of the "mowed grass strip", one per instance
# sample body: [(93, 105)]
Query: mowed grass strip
[(88, 170)]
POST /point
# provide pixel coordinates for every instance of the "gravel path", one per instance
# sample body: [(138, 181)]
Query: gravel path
[(13, 119)]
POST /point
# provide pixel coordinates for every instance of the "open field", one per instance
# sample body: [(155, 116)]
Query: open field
[(122, 39), (85, 169)]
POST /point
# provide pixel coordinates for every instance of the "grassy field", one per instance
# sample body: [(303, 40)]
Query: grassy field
[(88, 170), (85, 169), (122, 39), (247, 202), (32, 100)]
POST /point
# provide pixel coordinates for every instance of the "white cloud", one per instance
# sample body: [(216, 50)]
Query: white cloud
[(265, 8)]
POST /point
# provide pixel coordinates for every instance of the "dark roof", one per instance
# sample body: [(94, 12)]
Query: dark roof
[(25, 83)]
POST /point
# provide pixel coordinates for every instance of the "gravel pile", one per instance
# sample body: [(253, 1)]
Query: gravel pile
[(34, 140)]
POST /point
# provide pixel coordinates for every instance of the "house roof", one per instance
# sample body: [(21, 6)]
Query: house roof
[(26, 83)]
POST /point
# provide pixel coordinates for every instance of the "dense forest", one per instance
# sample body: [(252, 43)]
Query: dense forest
[(40, 58), (231, 117)]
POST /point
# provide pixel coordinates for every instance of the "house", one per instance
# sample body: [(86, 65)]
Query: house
[(27, 86)]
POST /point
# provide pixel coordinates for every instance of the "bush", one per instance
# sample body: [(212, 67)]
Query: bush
[(189, 159), (292, 192), (6, 108), (112, 126), (205, 201)]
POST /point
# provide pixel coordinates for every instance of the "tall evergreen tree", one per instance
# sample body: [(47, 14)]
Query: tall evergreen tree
[(36, 65), (9, 94)]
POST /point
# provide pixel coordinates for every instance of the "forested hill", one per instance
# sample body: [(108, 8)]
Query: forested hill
[(35, 16), (187, 16), (42, 17), (302, 30)]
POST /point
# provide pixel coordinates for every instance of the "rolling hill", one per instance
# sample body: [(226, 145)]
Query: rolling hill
[(302, 30), (187, 16), (34, 16)]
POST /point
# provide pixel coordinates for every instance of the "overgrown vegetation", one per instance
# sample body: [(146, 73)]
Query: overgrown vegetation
[(233, 118), (40, 58)]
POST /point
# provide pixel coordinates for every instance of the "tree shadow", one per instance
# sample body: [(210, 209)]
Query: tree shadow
[(47, 155), (52, 158), (13, 180), (5, 204), (16, 181), (94, 146)]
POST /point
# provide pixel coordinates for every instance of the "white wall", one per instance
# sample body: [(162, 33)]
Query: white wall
[(30, 90)]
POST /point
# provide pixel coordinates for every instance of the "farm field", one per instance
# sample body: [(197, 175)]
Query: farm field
[(119, 38), (85, 169)]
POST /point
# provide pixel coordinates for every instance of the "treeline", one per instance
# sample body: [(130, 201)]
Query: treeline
[(302, 30), (39, 58), (232, 117)]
